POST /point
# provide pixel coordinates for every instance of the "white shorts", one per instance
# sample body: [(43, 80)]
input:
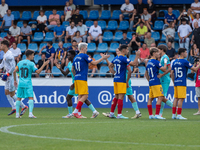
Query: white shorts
[(9, 85), (197, 89)]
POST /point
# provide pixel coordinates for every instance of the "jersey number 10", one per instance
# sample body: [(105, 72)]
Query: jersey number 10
[(24, 72)]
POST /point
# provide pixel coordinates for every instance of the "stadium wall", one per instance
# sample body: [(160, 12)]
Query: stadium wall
[(52, 92)]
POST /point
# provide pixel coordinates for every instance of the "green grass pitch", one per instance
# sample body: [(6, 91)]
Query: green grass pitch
[(49, 131)]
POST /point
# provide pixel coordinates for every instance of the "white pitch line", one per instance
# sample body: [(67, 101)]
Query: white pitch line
[(5, 130)]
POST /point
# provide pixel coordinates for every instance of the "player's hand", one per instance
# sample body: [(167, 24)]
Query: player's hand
[(159, 76), (40, 53), (137, 53), (58, 65), (15, 84), (127, 86), (165, 60), (105, 56), (4, 77), (72, 87), (46, 62)]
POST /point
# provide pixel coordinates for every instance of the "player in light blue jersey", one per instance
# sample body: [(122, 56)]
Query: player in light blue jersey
[(70, 55), (25, 88), (164, 76)]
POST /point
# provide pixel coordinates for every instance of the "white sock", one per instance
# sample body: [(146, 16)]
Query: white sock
[(119, 114), (11, 101), (137, 112), (79, 113), (160, 114), (17, 114), (15, 97), (75, 110), (30, 114), (94, 111), (111, 113)]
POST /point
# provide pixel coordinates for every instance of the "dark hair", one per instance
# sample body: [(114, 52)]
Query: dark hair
[(5, 42), (54, 9), (41, 11), (72, 21), (163, 47), (77, 32), (29, 52), (153, 50), (74, 41), (25, 22), (122, 47), (124, 32), (134, 34), (15, 22), (181, 50), (15, 42), (50, 42), (141, 22), (72, 52)]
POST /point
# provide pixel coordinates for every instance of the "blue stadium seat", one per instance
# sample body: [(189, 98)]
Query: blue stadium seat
[(105, 14), (116, 14), (176, 13), (41, 46), (35, 15), (32, 22), (89, 24), (132, 57), (16, 15), (3, 34), (129, 35), (163, 38), (155, 35), (84, 13), (113, 47), (161, 18), (66, 24), (118, 36), (37, 58), (56, 72), (22, 47), (38, 37), (111, 57), (176, 38), (102, 47), (112, 25), (48, 13), (60, 13), (26, 15), (103, 71), (91, 47), (55, 45), (142, 70), (162, 44), (67, 45), (158, 25), (23, 57), (123, 25), (176, 46), (107, 36), (20, 24), (33, 46), (49, 36), (94, 14), (102, 24), (97, 57)]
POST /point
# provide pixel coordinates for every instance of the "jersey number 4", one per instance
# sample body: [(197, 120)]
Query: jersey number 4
[(24, 72)]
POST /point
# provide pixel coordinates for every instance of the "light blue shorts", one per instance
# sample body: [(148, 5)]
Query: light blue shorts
[(24, 92), (72, 92), (165, 87), (129, 91)]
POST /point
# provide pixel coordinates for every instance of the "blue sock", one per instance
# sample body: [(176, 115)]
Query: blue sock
[(91, 107), (70, 109), (31, 105), (169, 103), (17, 106), (135, 106), (162, 108)]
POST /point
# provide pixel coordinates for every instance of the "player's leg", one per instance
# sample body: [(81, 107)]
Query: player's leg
[(120, 106), (70, 106), (179, 111), (158, 106), (175, 104), (94, 111), (149, 103), (134, 105), (81, 100), (17, 107), (197, 89)]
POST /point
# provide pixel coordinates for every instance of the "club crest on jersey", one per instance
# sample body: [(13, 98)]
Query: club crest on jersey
[(89, 58)]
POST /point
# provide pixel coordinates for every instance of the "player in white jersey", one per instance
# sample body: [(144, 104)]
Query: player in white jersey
[(9, 64)]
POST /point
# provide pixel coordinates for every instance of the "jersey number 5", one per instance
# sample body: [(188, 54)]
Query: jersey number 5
[(24, 72)]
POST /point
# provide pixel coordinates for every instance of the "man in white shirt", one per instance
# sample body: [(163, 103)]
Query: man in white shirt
[(95, 33), (83, 30), (196, 6), (3, 8), (126, 9), (15, 31), (16, 52), (184, 31), (70, 31)]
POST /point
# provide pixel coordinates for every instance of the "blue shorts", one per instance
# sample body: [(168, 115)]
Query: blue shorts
[(72, 92), (24, 92), (129, 91), (165, 87)]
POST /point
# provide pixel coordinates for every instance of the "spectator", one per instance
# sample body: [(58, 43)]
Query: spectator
[(141, 30), (70, 31), (124, 40), (59, 32), (67, 12), (42, 19), (25, 33), (197, 19), (169, 17), (196, 6), (140, 6), (146, 18), (191, 14), (52, 20), (16, 52), (72, 6), (194, 52), (149, 40), (184, 31), (134, 19), (77, 37), (170, 51), (153, 45), (151, 8), (46, 68), (8, 20), (92, 68), (175, 57), (77, 17), (15, 31), (3, 8), (60, 55), (144, 53), (170, 33), (83, 30), (126, 9), (196, 35), (50, 52), (182, 16), (95, 33), (1, 55), (134, 43), (136, 72), (9, 38)]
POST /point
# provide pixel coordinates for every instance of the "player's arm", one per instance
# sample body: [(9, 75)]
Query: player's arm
[(146, 75), (129, 75), (111, 67), (42, 67), (165, 66), (135, 62), (14, 75), (166, 72), (172, 75), (73, 71), (104, 57), (65, 73)]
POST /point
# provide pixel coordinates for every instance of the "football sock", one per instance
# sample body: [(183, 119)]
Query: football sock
[(120, 106), (11, 101), (17, 106), (157, 109), (173, 110), (113, 105), (21, 104), (75, 111), (79, 113), (135, 107), (169, 103), (31, 105), (70, 109), (92, 108), (79, 105), (179, 111), (162, 108), (150, 110)]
